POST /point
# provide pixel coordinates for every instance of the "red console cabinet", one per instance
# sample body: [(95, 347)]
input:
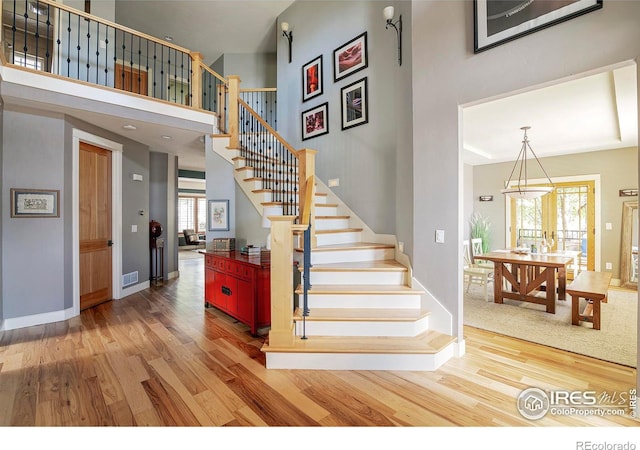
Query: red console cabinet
[(240, 286)]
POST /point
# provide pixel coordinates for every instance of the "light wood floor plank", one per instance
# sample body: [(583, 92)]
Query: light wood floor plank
[(158, 358)]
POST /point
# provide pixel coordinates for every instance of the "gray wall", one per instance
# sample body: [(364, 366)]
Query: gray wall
[(3, 203), (256, 70), (41, 249), (448, 74), (135, 197), (372, 161), (158, 208), (617, 169), (248, 222), (220, 186), (34, 274)]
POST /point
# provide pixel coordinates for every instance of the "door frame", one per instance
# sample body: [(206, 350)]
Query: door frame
[(595, 178), (116, 211)]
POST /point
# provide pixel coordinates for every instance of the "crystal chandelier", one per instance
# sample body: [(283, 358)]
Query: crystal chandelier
[(521, 189)]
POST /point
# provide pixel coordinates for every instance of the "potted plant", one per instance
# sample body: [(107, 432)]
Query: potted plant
[(480, 226)]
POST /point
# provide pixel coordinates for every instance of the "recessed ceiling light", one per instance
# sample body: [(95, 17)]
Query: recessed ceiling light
[(130, 127), (164, 136), (168, 38)]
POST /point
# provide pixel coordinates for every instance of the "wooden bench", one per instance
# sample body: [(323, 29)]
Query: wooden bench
[(593, 287)]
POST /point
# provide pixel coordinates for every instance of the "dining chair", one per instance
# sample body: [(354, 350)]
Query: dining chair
[(474, 274), (476, 252)]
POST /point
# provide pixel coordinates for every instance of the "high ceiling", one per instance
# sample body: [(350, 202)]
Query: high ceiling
[(211, 27), (596, 112)]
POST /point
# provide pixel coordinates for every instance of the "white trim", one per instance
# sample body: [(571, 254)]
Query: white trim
[(597, 210), (172, 275), (135, 289), (38, 319), (116, 211)]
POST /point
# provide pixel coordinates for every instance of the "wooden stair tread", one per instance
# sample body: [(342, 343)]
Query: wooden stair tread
[(387, 265), (360, 289), (326, 205), (429, 342), (349, 246), (334, 231), (363, 314), (331, 217)]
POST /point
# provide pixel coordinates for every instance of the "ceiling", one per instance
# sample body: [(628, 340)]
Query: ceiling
[(211, 27), (590, 113)]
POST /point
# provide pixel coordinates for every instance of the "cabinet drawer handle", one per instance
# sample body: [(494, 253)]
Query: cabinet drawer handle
[(226, 290)]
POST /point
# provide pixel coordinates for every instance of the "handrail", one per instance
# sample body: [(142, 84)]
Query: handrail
[(76, 45), (263, 122)]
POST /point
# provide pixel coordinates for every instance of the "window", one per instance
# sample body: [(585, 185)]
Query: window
[(28, 61), (192, 214)]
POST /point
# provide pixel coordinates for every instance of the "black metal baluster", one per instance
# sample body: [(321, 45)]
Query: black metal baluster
[(139, 66), (88, 48), (131, 62), (25, 47), (69, 44), (48, 53), (162, 70), (106, 57), (147, 65), (78, 49), (37, 35), (97, 52)]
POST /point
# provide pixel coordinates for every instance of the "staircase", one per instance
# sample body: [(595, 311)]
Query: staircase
[(364, 312)]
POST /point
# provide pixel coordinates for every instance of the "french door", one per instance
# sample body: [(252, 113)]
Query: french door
[(565, 217)]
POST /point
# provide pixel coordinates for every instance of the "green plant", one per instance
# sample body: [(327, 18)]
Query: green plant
[(480, 228)]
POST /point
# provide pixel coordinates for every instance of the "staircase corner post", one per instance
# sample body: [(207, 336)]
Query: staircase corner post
[(307, 161), (281, 333), (234, 116), (196, 80)]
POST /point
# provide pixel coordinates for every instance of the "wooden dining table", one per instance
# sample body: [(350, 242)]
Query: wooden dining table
[(528, 274)]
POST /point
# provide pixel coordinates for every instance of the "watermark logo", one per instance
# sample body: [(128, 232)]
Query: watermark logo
[(533, 403)]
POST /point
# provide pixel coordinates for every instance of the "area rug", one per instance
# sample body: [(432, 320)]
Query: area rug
[(616, 341)]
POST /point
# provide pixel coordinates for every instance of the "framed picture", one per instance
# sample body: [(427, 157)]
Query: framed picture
[(354, 101), (315, 121), (350, 57), (497, 21), (35, 203), (312, 79), (218, 215)]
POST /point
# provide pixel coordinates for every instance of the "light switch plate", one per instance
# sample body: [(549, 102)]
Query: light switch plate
[(134, 228), (440, 236)]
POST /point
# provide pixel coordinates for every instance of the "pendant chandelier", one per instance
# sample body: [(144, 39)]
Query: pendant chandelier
[(522, 189)]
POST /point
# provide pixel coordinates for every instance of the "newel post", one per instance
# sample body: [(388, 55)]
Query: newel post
[(307, 161), (234, 117), (281, 332), (196, 80)]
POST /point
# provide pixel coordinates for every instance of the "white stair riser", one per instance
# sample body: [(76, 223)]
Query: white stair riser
[(391, 278), (362, 328), (326, 210), (258, 184), (338, 256), (322, 199), (331, 224), (359, 361), (339, 238), (362, 301)]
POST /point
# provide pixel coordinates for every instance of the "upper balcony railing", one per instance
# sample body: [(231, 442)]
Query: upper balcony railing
[(50, 37)]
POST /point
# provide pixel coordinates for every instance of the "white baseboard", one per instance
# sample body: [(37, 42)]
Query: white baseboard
[(37, 319), (460, 348), (172, 275), (135, 288)]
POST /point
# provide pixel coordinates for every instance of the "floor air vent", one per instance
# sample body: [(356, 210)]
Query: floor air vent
[(129, 278)]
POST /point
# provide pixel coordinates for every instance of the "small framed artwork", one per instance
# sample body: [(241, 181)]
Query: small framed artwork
[(354, 101), (218, 215), (315, 121), (350, 57), (497, 22), (312, 79), (35, 203)]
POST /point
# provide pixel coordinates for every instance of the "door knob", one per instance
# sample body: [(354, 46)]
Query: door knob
[(109, 243)]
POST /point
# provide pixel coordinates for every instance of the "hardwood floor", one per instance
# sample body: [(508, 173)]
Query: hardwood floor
[(157, 358)]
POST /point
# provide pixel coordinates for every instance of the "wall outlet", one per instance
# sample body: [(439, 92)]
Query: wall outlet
[(608, 226), (333, 182), (608, 266), (440, 236)]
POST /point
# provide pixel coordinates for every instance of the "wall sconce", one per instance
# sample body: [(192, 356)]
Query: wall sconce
[(486, 198), (288, 34), (397, 25), (628, 192)]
